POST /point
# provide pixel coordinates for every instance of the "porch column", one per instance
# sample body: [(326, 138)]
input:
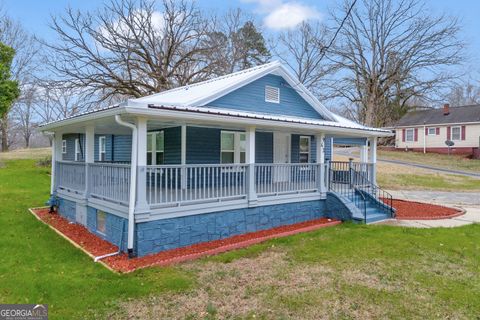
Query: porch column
[(89, 155), (56, 156), (364, 153), (320, 138), (141, 164), (250, 160), (373, 159), (183, 156)]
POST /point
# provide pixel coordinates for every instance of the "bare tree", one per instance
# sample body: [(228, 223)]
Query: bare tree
[(464, 94), (238, 43), (130, 49), (24, 64), (390, 51), (23, 113), (303, 49)]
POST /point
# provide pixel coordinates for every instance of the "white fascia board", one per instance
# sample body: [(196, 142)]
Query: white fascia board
[(82, 118), (216, 119)]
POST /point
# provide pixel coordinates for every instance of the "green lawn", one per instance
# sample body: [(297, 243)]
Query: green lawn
[(349, 271), (454, 162)]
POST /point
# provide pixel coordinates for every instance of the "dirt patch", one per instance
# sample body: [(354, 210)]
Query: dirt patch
[(412, 210), (95, 246)]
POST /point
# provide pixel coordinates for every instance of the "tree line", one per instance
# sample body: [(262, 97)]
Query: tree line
[(371, 60)]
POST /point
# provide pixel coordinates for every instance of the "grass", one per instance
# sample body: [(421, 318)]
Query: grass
[(348, 271), (401, 177), (32, 153), (455, 162)]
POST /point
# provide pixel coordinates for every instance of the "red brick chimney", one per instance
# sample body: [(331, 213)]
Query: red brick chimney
[(446, 109)]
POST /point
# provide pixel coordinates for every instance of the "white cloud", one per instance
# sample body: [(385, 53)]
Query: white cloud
[(284, 15)]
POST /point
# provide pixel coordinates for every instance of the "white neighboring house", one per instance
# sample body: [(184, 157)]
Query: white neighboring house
[(427, 130)]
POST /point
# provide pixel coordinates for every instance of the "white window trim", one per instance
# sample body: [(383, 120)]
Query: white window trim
[(77, 149), (100, 151), (459, 133), (154, 150), (236, 146), (413, 135), (64, 146), (434, 131), (272, 88), (309, 148)]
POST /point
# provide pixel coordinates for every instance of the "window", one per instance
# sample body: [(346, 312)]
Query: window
[(272, 94), (155, 148), (432, 131), (456, 133), (304, 149), (232, 147), (101, 221), (410, 135), (64, 146), (102, 148), (78, 154)]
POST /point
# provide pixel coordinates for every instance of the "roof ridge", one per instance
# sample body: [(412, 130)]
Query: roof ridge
[(229, 75)]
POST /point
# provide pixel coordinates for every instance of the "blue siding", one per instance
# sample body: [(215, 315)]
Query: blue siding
[(251, 97), (264, 147), (173, 147), (122, 148), (203, 145), (328, 149), (70, 138)]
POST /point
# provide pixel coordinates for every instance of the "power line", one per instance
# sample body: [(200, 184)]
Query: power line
[(325, 49)]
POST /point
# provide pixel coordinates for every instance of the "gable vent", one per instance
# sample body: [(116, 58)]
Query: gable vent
[(272, 94)]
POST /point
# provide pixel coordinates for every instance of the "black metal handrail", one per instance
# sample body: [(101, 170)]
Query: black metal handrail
[(350, 178), (341, 183)]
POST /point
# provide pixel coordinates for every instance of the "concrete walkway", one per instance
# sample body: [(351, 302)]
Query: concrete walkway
[(468, 201), (440, 197), (472, 215)]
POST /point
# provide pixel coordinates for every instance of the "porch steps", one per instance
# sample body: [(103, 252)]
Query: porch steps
[(374, 212)]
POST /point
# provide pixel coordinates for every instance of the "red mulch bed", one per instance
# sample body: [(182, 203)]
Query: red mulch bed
[(96, 246), (411, 210)]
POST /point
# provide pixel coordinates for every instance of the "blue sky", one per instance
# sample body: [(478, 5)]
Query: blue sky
[(273, 14)]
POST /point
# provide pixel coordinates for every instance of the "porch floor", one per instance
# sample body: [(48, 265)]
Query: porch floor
[(93, 245)]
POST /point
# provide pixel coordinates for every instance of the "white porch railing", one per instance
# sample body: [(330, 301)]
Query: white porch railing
[(70, 176), (177, 184), (109, 181), (284, 178)]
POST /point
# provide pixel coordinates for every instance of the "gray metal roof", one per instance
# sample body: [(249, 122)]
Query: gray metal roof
[(436, 116)]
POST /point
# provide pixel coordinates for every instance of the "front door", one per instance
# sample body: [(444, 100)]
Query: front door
[(281, 154)]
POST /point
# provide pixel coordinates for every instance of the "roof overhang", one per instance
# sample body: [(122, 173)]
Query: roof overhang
[(210, 116)]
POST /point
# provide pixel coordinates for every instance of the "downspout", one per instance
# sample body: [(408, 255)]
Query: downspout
[(133, 185)]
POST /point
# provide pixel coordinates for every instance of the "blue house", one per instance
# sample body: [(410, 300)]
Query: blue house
[(244, 152)]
